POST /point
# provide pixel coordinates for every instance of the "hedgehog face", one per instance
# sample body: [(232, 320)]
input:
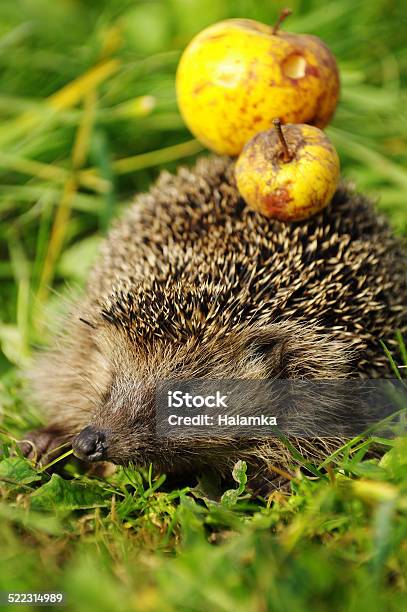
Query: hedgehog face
[(122, 430)]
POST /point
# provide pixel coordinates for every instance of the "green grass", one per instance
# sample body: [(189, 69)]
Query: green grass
[(88, 117)]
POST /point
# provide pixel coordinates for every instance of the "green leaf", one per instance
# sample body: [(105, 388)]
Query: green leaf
[(395, 461), (18, 470), (367, 469), (70, 495), (239, 475), (230, 497)]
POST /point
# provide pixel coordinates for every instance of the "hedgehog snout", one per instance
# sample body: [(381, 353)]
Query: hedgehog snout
[(90, 444)]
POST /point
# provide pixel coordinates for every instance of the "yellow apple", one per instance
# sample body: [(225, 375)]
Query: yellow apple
[(236, 76), (289, 172)]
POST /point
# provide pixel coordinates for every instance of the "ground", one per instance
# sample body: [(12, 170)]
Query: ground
[(88, 118)]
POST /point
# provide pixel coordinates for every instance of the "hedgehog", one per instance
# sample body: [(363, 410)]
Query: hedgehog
[(192, 284)]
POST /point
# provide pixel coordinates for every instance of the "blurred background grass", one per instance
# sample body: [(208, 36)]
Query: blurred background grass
[(88, 118)]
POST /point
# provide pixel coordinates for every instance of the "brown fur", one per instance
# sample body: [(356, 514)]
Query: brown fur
[(191, 283)]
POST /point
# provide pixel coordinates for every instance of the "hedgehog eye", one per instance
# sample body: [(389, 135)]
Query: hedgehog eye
[(269, 349), (261, 349)]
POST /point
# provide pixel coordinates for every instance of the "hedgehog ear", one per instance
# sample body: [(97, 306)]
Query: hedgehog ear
[(298, 350)]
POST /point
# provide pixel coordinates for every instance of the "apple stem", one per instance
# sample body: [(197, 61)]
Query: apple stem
[(286, 12), (287, 155)]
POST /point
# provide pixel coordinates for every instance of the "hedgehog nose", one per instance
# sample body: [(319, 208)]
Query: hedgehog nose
[(90, 444)]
